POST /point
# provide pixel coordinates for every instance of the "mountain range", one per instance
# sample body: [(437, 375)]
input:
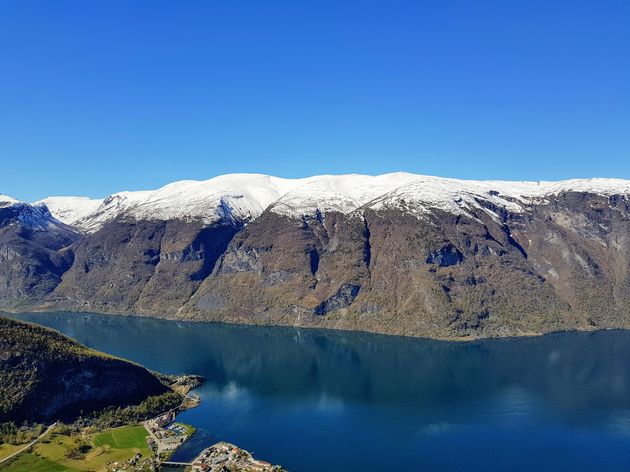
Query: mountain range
[(397, 253)]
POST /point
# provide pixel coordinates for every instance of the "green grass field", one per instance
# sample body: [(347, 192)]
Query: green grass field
[(51, 455), (127, 437), (33, 463)]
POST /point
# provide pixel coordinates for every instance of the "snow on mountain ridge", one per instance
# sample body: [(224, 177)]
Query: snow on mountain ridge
[(245, 196), (5, 201), (452, 195), (69, 210), (34, 217), (460, 196), (109, 209), (340, 193)]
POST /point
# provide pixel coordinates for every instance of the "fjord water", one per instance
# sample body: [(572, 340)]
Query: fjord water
[(325, 400)]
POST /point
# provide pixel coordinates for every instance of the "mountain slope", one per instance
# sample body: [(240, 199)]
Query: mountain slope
[(34, 251), (46, 376), (398, 253)]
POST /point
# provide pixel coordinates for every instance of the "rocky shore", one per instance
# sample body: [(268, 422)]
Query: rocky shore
[(226, 457)]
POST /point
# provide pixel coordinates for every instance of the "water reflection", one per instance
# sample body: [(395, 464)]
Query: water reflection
[(313, 392)]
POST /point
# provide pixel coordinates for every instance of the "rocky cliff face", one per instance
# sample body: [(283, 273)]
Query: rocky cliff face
[(46, 376), (397, 254), (448, 276), (141, 266), (33, 252)]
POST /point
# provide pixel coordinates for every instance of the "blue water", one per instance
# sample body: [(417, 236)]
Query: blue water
[(325, 400)]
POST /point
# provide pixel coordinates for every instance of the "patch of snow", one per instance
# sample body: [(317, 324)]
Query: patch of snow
[(69, 210), (455, 196), (606, 187), (33, 217), (37, 218), (109, 209), (6, 201), (338, 193), (460, 196)]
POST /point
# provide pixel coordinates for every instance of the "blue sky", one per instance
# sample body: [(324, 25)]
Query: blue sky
[(98, 97)]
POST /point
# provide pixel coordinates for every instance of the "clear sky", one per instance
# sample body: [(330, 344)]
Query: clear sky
[(103, 96)]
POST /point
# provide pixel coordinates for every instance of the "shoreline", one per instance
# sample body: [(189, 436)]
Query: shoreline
[(212, 457), (159, 427), (231, 322)]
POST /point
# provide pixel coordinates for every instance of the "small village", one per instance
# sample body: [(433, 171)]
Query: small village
[(223, 457), (165, 435)]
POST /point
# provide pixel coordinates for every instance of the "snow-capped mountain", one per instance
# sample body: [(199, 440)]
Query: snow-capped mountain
[(336, 193), (33, 250), (70, 210), (396, 253), (30, 217), (244, 197)]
